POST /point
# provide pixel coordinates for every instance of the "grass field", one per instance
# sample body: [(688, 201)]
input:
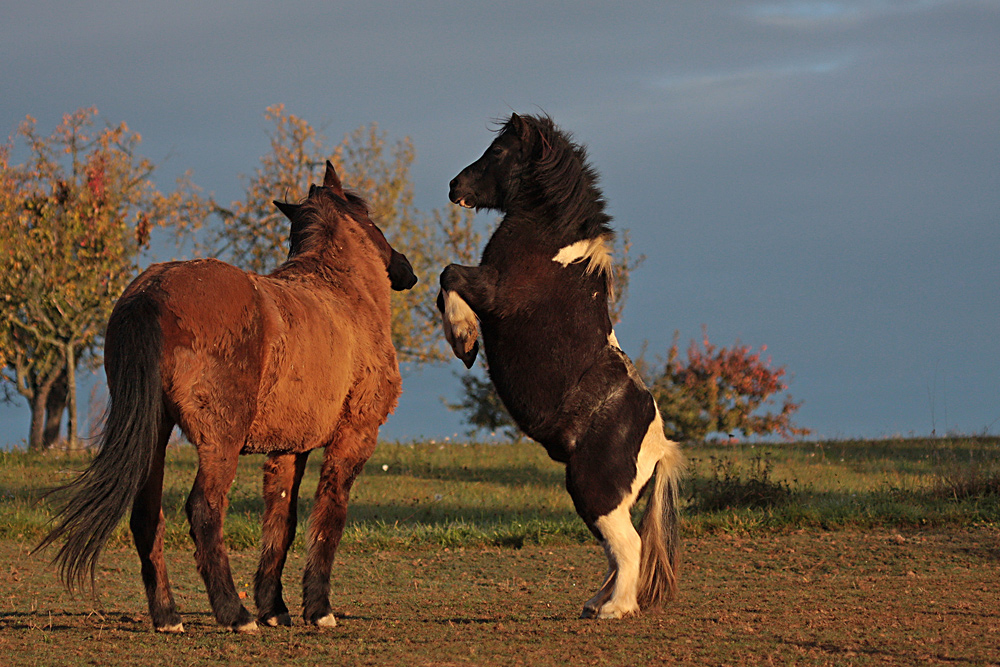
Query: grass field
[(882, 552)]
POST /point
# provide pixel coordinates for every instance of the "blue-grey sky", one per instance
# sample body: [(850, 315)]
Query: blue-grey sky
[(819, 177)]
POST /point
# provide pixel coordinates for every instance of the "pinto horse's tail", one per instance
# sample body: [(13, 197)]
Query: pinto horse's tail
[(660, 530), (102, 494)]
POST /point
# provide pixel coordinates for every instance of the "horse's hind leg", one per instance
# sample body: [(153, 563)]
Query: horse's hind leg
[(206, 508), (147, 526), (608, 469), (282, 474), (618, 596), (603, 496), (342, 463), (591, 606)]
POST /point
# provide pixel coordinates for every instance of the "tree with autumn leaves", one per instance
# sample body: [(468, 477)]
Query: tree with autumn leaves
[(254, 235), (73, 219)]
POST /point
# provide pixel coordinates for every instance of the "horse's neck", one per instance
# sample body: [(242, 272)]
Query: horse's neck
[(538, 225), (335, 260), (520, 232)]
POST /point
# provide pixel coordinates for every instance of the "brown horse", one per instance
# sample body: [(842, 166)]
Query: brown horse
[(244, 363)]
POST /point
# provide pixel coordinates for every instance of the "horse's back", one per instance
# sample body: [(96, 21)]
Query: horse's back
[(213, 345), (251, 362)]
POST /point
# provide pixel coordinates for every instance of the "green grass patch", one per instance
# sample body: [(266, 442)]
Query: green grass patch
[(511, 495)]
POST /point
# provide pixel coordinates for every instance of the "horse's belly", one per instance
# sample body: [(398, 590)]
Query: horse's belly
[(533, 373)]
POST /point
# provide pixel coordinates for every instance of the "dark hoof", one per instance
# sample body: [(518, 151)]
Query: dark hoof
[(469, 357)]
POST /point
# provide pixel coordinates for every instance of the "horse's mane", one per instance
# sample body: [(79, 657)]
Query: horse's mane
[(315, 226), (560, 179)]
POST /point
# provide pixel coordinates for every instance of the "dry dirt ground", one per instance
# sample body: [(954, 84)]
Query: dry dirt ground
[(808, 598)]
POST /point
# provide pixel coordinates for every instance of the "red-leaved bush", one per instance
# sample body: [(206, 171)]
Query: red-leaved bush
[(721, 390)]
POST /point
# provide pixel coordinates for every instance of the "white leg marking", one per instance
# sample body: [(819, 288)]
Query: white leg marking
[(328, 621), (622, 541), (172, 629), (460, 326), (624, 546), (278, 620), (246, 628)]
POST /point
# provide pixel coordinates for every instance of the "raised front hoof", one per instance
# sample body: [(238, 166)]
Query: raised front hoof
[(171, 628), (468, 358), (327, 621), (282, 620)]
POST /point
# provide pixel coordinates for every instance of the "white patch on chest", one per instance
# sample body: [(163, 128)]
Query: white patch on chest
[(595, 252), (574, 252), (613, 341)]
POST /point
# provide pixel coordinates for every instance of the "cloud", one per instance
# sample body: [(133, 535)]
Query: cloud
[(810, 15), (694, 83)]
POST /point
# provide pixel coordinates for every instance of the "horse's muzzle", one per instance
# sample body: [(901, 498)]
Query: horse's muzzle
[(460, 195), (401, 276)]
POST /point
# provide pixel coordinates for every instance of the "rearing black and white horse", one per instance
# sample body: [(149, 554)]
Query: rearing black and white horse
[(540, 295)]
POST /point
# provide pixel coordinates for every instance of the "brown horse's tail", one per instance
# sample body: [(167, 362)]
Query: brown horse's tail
[(102, 494), (660, 531)]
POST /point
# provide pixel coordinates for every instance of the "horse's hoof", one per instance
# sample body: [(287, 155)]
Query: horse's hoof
[(608, 611), (275, 621), (172, 629), (328, 621), (246, 628)]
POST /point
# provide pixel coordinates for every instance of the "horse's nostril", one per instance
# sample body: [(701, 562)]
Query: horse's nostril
[(453, 194)]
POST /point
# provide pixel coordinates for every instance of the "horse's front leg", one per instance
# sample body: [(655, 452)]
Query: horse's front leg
[(343, 461), (466, 293), (282, 475)]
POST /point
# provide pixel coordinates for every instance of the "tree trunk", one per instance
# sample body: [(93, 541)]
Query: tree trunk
[(72, 442), (37, 401), (54, 408)]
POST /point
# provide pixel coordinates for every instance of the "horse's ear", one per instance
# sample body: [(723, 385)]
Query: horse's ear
[(290, 210), (332, 181), (519, 126)]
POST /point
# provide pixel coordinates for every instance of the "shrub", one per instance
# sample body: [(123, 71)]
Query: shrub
[(973, 482), (732, 486), (720, 390)]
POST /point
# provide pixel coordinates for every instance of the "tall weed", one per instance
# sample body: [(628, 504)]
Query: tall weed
[(732, 485)]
